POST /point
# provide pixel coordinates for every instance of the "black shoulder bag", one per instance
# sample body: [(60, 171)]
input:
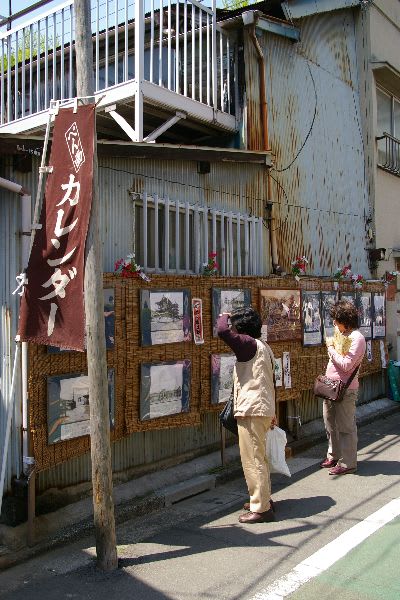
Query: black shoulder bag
[(227, 418)]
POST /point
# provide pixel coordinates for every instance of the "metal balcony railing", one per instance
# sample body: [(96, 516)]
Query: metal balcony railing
[(174, 45), (389, 153)]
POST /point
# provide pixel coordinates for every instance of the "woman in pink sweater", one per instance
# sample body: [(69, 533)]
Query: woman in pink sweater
[(340, 417)]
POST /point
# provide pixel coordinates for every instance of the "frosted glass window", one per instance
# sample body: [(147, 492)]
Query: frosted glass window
[(384, 113), (388, 121), (396, 119)]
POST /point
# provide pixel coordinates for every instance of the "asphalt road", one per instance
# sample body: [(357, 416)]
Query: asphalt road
[(197, 549)]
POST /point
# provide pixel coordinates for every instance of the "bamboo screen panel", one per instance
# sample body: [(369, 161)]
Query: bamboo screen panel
[(128, 355)]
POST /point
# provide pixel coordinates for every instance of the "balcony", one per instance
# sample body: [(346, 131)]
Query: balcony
[(160, 69), (389, 153)]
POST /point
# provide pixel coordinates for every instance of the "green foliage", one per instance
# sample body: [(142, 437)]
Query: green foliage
[(235, 4), (24, 49)]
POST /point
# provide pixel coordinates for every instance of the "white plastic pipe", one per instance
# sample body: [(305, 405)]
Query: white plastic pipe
[(26, 210), (25, 433), (10, 185)]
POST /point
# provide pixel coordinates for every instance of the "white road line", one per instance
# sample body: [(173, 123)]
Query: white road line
[(321, 560)]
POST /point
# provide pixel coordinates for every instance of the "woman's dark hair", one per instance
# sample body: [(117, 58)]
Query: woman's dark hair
[(247, 320), (346, 313)]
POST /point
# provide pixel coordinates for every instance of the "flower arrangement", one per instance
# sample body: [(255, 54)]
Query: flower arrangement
[(211, 267), (390, 276), (343, 273), (358, 280), (127, 267), (299, 266)]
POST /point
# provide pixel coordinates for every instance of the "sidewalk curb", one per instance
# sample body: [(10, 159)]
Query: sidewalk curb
[(211, 476), (123, 512)]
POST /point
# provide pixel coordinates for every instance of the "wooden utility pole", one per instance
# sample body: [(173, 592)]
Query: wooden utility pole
[(103, 504)]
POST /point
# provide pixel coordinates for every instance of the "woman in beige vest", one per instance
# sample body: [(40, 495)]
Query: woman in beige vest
[(254, 406)]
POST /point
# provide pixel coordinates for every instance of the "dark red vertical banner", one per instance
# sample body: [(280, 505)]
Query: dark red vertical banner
[(52, 305)]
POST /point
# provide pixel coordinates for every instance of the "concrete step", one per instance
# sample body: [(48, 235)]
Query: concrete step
[(185, 489)]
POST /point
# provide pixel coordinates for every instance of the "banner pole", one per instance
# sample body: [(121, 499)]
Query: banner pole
[(103, 505)]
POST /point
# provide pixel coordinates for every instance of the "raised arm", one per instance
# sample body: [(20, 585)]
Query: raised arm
[(244, 346), (349, 361)]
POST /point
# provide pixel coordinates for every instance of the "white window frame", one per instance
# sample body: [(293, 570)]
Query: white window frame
[(393, 132), (239, 239)]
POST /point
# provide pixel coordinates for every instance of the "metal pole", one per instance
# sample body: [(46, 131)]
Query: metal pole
[(103, 505), (27, 442)]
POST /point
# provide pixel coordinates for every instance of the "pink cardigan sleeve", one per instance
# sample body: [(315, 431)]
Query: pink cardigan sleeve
[(352, 358)]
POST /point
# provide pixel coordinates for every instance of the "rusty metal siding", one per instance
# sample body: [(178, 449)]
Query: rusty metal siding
[(323, 212), (295, 9), (231, 186)]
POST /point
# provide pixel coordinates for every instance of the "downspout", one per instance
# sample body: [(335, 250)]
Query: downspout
[(26, 220), (250, 19)]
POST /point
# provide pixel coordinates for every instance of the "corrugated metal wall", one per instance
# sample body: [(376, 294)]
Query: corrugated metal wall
[(232, 186), (228, 185), (323, 212), (10, 266), (139, 449), (321, 216)]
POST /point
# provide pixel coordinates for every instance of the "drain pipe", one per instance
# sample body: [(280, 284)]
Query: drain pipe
[(250, 19), (26, 210)]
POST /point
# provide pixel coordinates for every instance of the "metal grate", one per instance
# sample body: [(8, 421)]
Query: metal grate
[(172, 236)]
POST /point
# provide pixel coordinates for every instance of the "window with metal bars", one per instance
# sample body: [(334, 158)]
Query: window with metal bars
[(388, 129), (171, 236)]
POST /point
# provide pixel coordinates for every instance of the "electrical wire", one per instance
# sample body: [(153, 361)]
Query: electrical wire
[(366, 200), (234, 194), (311, 126), (287, 204)]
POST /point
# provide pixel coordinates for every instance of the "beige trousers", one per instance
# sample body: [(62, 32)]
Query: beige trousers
[(341, 429), (252, 436)]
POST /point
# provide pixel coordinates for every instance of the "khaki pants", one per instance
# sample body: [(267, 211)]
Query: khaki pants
[(252, 434), (341, 429)]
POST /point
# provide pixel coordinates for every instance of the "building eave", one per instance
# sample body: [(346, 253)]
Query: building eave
[(297, 9), (386, 76), (183, 152)]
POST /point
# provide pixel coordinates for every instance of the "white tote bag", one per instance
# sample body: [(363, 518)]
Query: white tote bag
[(275, 451)]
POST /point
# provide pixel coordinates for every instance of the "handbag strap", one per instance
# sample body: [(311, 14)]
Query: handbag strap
[(350, 379)]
